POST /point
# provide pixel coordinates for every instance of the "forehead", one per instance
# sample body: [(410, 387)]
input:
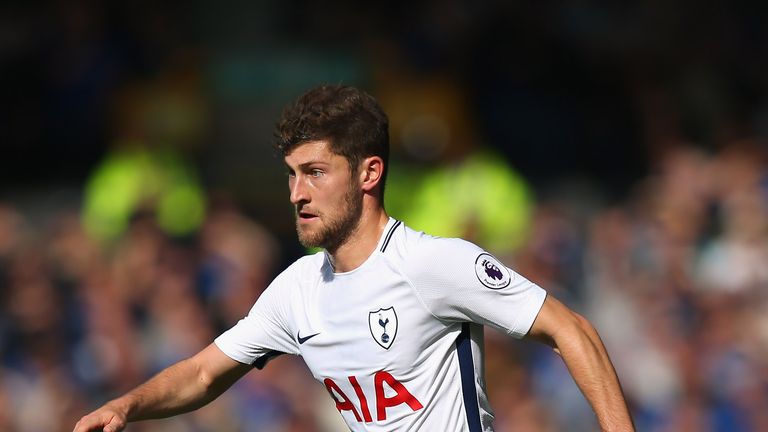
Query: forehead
[(313, 151)]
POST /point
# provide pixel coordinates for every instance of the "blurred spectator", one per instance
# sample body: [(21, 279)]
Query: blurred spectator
[(439, 155)]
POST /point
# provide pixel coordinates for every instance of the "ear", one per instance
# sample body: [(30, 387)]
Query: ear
[(371, 170)]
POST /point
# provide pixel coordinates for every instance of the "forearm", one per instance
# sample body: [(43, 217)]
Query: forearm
[(183, 387), (587, 360), (177, 389)]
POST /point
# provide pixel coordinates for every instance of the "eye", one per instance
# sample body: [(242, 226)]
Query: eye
[(316, 173)]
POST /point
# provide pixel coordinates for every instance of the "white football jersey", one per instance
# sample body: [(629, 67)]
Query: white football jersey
[(398, 341)]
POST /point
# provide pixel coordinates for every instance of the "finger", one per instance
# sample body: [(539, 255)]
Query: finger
[(86, 424), (90, 423), (114, 425)]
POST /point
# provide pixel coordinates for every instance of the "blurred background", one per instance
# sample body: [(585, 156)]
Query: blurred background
[(614, 153)]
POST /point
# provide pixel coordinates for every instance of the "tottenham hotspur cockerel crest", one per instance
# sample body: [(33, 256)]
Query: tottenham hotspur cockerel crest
[(383, 325)]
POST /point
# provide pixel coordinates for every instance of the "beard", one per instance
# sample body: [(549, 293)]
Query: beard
[(335, 230)]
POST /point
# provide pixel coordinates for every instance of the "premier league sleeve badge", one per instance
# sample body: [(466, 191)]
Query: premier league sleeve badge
[(491, 273)]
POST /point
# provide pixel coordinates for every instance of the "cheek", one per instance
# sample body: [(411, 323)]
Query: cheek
[(335, 203), (335, 190), (331, 192)]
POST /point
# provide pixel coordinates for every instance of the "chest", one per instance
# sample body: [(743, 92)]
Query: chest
[(356, 325)]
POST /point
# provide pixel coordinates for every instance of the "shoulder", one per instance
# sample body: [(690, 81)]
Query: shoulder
[(422, 246), (306, 268), (457, 280), (284, 289), (307, 265), (421, 255)]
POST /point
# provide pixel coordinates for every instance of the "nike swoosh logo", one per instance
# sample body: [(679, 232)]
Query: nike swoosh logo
[(304, 339)]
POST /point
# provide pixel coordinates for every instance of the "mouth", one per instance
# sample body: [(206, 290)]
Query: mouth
[(305, 216)]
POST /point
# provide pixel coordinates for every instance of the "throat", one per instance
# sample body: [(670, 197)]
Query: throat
[(349, 255), (356, 249)]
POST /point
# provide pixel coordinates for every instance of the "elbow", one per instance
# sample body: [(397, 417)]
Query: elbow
[(581, 322), (203, 379), (580, 336), (575, 327), (561, 327), (206, 389)]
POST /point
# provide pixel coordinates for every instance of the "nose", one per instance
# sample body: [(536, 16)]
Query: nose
[(298, 190)]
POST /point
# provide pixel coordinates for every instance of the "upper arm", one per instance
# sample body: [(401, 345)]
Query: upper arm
[(217, 370), (553, 319), (458, 281), (268, 328)]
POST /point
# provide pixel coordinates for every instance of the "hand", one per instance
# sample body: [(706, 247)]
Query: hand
[(106, 419)]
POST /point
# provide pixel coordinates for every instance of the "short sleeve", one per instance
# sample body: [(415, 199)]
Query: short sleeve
[(458, 281), (266, 331)]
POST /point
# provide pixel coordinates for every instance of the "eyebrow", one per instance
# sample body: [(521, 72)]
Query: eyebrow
[(305, 165)]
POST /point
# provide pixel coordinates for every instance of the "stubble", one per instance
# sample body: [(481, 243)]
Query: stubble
[(335, 231)]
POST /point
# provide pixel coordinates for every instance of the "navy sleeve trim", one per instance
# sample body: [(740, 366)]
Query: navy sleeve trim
[(260, 362)]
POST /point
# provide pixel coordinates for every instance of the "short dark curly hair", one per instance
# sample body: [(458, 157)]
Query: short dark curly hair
[(351, 120)]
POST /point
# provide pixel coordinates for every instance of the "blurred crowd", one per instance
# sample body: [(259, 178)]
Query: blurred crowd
[(636, 191), (674, 278), (82, 322)]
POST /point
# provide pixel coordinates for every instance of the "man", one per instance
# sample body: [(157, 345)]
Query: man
[(388, 319)]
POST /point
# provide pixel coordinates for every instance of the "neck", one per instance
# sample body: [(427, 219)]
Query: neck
[(361, 243)]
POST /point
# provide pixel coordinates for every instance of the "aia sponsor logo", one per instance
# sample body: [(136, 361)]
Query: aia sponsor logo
[(395, 395)]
